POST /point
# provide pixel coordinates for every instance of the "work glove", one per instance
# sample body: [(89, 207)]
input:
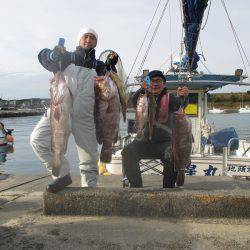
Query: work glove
[(60, 55), (56, 59), (57, 53), (111, 61)]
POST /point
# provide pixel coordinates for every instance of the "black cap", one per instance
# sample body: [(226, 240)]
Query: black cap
[(156, 73)]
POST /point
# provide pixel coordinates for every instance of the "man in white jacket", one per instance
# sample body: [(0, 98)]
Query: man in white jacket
[(79, 68)]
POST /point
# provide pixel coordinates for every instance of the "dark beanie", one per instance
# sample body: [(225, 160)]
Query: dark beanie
[(156, 73)]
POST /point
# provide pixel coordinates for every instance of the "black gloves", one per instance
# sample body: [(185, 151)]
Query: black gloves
[(56, 59), (111, 61), (86, 58), (59, 59)]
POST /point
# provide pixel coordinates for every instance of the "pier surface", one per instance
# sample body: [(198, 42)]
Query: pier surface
[(23, 224)]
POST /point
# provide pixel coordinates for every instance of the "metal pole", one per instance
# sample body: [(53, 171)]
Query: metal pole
[(224, 161)]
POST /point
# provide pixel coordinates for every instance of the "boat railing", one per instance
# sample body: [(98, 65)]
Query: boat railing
[(238, 139), (230, 143)]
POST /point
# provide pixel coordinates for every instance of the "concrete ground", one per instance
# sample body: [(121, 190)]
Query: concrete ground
[(23, 225)]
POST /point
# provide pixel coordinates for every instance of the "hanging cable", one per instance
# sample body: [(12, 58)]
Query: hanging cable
[(237, 40), (207, 15), (169, 58), (236, 35), (170, 34), (203, 63), (152, 38), (182, 30), (143, 41), (204, 59), (202, 52)]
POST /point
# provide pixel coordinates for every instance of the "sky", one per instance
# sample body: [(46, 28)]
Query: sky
[(28, 26)]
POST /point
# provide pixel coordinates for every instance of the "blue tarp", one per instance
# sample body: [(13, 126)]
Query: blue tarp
[(221, 138), (193, 11)]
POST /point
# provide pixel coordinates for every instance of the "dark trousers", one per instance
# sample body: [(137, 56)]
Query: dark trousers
[(138, 150)]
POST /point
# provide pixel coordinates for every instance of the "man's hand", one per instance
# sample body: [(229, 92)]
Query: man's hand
[(182, 91), (57, 53), (112, 55), (112, 59), (144, 86)]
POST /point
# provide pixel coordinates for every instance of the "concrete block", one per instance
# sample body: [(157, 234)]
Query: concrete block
[(146, 203)]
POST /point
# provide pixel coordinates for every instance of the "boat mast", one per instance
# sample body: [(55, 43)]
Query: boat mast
[(193, 11)]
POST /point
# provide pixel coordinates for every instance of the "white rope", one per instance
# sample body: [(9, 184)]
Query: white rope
[(203, 63), (237, 40), (143, 41), (152, 38), (170, 33), (207, 15), (169, 58)]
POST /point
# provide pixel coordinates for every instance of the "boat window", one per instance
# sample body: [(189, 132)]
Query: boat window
[(192, 107)]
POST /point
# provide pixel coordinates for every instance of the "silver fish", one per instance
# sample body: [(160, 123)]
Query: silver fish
[(60, 120), (141, 114)]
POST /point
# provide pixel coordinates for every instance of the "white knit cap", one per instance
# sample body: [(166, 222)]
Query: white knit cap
[(85, 31)]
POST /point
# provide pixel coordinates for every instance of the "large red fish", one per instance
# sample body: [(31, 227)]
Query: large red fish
[(151, 114), (107, 115), (60, 120), (121, 90), (181, 144)]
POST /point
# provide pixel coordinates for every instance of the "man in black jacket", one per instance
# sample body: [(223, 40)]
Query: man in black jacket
[(159, 146)]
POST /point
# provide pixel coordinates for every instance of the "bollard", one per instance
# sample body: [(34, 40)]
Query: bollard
[(224, 161)]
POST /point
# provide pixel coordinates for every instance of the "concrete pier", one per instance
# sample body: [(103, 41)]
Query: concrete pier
[(201, 197), (24, 226)]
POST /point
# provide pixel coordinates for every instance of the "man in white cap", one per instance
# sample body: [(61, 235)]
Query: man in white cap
[(80, 67)]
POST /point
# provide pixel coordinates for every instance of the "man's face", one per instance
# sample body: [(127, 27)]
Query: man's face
[(88, 41), (157, 85)]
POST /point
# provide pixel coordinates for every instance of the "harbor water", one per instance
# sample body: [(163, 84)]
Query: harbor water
[(23, 160)]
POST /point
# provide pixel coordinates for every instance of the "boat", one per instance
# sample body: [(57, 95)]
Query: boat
[(206, 158), (243, 109), (6, 142), (216, 111), (6, 137)]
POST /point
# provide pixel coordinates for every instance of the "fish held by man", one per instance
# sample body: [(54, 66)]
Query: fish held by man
[(60, 120), (122, 94), (151, 114), (107, 115), (141, 114), (181, 143)]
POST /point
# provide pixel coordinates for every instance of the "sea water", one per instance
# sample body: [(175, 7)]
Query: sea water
[(24, 161)]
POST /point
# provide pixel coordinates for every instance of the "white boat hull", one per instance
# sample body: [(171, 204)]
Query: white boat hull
[(209, 165), (244, 110), (215, 111)]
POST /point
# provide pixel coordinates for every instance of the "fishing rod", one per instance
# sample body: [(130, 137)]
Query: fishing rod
[(26, 182)]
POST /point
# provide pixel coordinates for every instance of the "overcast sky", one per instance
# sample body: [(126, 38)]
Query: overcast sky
[(27, 26)]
